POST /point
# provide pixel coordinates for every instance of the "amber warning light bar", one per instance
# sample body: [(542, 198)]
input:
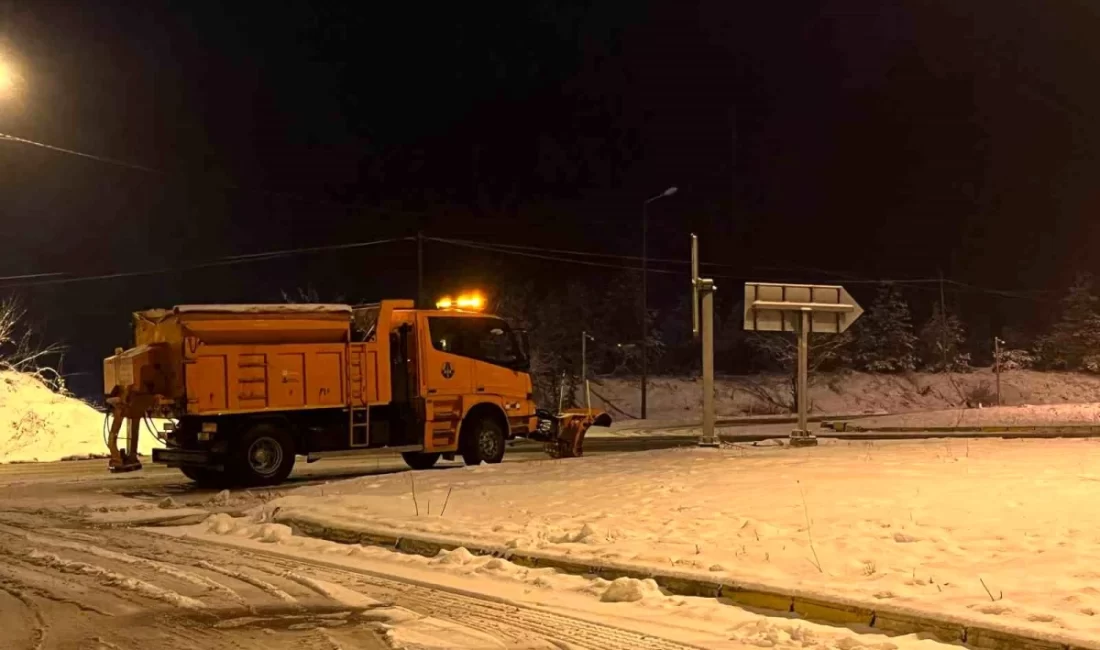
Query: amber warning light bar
[(468, 301)]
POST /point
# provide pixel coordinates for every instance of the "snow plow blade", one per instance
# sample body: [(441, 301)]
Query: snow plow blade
[(563, 434)]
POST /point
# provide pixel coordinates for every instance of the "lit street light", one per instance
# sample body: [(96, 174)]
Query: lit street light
[(7, 79), (645, 285)]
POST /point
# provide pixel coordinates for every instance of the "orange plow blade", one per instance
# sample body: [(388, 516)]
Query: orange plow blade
[(568, 429)]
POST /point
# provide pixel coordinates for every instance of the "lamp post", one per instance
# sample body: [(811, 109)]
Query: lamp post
[(645, 286)]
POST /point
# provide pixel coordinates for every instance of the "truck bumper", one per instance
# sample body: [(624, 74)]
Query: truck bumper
[(180, 457)]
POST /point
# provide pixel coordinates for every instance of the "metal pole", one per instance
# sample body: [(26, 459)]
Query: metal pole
[(420, 270), (584, 356), (801, 437), (997, 365), (803, 369), (708, 439), (645, 297)]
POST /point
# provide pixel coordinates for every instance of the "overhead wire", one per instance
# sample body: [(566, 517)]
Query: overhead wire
[(222, 185), (556, 255), (552, 255), (229, 260)]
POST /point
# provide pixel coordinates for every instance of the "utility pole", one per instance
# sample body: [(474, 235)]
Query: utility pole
[(704, 288), (804, 326), (943, 321), (645, 290), (420, 270), (644, 314), (997, 342), (585, 338)]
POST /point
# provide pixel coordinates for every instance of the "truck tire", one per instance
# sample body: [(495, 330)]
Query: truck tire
[(419, 459), (482, 440), (264, 455), (205, 478)]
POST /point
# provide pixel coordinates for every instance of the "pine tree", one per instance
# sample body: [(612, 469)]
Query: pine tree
[(941, 339), (884, 338), (1074, 341)]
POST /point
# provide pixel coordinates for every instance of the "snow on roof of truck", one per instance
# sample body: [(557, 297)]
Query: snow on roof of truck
[(275, 308)]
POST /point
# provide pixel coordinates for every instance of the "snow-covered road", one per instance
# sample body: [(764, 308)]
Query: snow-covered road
[(77, 572), (111, 589)]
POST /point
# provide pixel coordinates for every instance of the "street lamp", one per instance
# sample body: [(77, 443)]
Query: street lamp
[(645, 285), (9, 79)]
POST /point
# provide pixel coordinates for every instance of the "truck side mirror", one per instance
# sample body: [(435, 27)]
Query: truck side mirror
[(524, 363)]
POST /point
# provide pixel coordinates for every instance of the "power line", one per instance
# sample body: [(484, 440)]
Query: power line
[(229, 260), (30, 276), (73, 152), (553, 255), (552, 258), (528, 251), (217, 184)]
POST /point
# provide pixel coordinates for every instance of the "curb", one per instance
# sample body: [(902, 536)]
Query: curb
[(891, 621), (746, 420), (1031, 431)]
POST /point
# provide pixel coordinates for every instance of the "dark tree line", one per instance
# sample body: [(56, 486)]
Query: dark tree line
[(885, 340)]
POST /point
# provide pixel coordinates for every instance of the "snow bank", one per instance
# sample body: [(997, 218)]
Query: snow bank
[(38, 424), (678, 398), (997, 531), (627, 603)]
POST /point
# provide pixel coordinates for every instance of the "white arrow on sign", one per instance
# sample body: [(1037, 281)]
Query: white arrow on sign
[(777, 307)]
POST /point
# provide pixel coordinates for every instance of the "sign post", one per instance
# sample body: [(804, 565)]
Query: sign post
[(703, 288), (802, 309)]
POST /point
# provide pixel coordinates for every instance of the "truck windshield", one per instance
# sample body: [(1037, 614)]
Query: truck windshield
[(482, 338)]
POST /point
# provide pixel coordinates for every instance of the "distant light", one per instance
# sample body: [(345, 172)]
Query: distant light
[(444, 303)]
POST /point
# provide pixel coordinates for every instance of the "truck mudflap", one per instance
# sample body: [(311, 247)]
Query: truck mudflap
[(181, 457), (563, 434)]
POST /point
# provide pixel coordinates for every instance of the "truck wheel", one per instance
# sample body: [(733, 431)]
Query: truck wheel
[(205, 478), (263, 456), (482, 440), (419, 459)]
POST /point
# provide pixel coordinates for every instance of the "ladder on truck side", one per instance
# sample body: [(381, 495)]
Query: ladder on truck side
[(358, 410)]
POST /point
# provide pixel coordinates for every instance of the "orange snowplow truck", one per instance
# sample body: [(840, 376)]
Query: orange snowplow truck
[(245, 389)]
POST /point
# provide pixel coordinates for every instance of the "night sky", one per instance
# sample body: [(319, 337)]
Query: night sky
[(810, 141)]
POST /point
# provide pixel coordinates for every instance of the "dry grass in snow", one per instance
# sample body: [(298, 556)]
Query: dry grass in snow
[(40, 424), (994, 530)]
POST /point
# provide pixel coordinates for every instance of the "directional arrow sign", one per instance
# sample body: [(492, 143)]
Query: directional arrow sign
[(777, 307)]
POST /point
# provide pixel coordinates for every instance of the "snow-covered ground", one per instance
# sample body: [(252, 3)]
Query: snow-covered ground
[(38, 424), (626, 603), (1037, 414), (992, 530), (678, 398)]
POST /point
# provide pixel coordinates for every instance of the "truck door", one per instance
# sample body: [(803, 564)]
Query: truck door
[(447, 368), (446, 378)]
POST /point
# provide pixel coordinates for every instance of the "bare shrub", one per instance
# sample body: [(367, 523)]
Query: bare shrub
[(1017, 360), (21, 349), (980, 394)]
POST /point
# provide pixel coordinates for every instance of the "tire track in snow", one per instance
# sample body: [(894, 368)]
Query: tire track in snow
[(124, 558), (43, 592), (506, 620), (112, 579), (38, 638), (262, 585), (333, 592)]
